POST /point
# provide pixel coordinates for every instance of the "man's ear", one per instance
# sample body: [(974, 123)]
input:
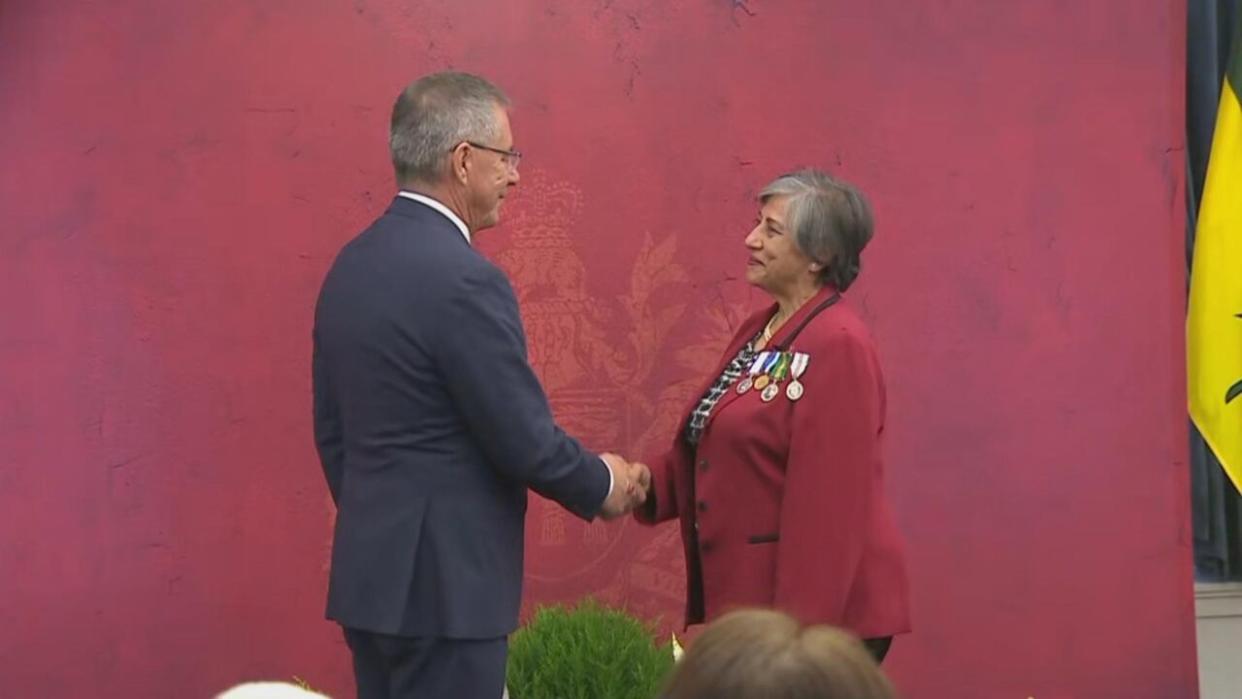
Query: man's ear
[(460, 161)]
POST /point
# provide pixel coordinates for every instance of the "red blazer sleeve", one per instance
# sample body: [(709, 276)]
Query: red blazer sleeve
[(831, 478), (661, 502)]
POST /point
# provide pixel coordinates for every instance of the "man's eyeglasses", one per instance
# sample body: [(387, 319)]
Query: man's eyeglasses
[(511, 157)]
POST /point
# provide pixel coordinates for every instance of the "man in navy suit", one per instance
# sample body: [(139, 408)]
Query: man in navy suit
[(429, 421)]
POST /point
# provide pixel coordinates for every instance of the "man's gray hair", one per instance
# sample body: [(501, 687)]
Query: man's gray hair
[(434, 115), (829, 219)]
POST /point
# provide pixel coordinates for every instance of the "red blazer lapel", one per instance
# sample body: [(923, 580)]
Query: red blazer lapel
[(749, 329), (745, 333)]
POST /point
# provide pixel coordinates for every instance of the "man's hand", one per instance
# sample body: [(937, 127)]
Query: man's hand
[(642, 477), (631, 482)]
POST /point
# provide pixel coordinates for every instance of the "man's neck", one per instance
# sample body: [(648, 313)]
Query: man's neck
[(452, 199)]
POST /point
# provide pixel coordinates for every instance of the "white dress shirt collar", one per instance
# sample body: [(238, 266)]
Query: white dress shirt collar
[(448, 213)]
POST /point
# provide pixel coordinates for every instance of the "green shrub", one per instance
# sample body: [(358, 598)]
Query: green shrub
[(587, 652)]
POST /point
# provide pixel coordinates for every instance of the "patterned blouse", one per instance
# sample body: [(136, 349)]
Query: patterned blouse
[(698, 418)]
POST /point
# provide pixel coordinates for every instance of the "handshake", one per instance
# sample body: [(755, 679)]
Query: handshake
[(630, 484)]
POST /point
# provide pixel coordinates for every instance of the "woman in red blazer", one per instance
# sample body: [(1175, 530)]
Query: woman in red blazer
[(777, 471)]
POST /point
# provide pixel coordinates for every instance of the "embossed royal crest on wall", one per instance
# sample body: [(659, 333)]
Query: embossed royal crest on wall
[(597, 357)]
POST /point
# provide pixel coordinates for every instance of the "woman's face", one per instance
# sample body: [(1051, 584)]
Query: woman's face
[(776, 264)]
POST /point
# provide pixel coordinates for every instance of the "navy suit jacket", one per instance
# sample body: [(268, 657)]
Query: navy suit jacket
[(431, 426)]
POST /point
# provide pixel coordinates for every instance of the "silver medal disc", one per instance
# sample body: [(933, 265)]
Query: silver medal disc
[(794, 390)]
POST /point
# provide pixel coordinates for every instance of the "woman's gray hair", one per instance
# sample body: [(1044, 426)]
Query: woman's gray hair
[(830, 221), (435, 114)]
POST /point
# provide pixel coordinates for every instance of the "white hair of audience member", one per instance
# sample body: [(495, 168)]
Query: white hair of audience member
[(270, 690)]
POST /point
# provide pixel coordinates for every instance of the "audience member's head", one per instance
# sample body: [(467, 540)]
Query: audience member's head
[(757, 654), (269, 690)]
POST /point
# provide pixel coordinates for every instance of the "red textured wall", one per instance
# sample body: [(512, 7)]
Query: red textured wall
[(176, 176)]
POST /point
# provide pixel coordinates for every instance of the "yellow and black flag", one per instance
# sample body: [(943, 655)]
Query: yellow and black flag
[(1214, 319)]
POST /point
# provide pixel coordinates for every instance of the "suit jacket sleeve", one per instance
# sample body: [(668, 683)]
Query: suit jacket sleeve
[(327, 420), (831, 476), (482, 353)]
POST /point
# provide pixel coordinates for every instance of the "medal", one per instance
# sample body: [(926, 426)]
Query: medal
[(781, 370), (794, 391), (797, 368), (772, 386), (770, 392), (769, 360), (745, 384)]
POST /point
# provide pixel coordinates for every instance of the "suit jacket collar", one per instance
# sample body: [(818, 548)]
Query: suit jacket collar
[(404, 196)]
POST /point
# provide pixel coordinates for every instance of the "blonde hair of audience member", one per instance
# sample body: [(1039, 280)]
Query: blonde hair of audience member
[(269, 690), (759, 654)]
